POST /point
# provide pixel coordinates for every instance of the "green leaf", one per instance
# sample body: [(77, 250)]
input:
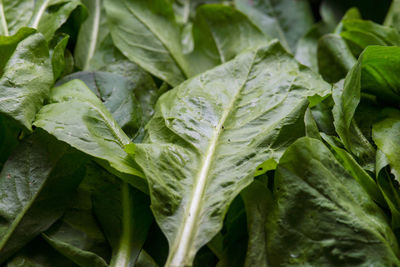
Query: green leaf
[(145, 260), (258, 201), (77, 234), (39, 254), (380, 66), (358, 173), (209, 134), (123, 213), (25, 76), (286, 20), (230, 243), (220, 33), (322, 216), (76, 116), (146, 32), (35, 184), (117, 93), (335, 58), (50, 15), (57, 53), (347, 98), (393, 16), (360, 34), (92, 32), (9, 133), (386, 137), (44, 15)]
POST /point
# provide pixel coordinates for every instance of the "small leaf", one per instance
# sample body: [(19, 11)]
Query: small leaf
[(25, 76)]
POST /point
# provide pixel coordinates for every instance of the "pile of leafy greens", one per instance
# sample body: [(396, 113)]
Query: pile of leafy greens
[(199, 133)]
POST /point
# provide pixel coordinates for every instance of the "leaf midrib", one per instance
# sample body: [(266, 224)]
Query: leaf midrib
[(184, 242), (94, 35), (3, 19), (38, 16)]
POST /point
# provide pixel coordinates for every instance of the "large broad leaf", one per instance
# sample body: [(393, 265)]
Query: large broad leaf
[(35, 184), (322, 216), (25, 75), (220, 33), (44, 15), (76, 116), (286, 20), (146, 33), (209, 134)]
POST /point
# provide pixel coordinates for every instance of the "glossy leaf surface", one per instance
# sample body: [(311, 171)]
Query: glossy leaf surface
[(208, 136)]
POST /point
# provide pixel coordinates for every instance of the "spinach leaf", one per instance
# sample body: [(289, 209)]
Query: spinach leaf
[(26, 76), (35, 184), (322, 216), (283, 19), (44, 15), (146, 32), (76, 116), (209, 134)]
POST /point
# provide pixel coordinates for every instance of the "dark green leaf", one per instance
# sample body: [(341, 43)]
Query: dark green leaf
[(286, 20), (146, 32), (39, 254), (322, 216), (220, 33), (35, 184), (123, 213)]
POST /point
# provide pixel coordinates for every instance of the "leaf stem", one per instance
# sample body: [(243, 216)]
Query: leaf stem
[(123, 256), (39, 14), (3, 20), (94, 35)]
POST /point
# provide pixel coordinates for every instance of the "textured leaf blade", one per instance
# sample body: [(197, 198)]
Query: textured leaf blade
[(283, 19), (77, 117), (220, 33), (322, 216), (25, 75), (44, 15), (208, 136), (35, 185), (146, 33)]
